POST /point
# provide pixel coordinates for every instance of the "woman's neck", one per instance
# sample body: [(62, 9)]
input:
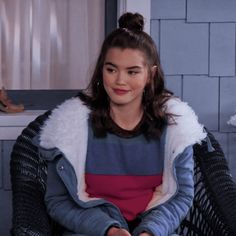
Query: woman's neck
[(125, 117)]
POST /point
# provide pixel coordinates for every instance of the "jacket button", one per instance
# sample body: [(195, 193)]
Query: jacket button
[(61, 168)]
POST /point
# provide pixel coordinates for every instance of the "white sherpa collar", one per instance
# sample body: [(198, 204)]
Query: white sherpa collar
[(186, 132), (68, 124), (67, 130)]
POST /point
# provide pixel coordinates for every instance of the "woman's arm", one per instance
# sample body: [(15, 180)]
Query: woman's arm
[(164, 219), (64, 210)]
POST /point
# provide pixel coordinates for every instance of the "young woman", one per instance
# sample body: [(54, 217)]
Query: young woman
[(119, 155)]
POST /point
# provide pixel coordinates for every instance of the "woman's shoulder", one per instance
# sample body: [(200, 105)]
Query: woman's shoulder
[(177, 107), (64, 121), (73, 104), (186, 125), (69, 109)]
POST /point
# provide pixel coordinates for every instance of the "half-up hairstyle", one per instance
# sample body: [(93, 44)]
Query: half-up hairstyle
[(129, 35)]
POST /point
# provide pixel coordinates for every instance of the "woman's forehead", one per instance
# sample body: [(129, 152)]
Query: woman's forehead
[(125, 57)]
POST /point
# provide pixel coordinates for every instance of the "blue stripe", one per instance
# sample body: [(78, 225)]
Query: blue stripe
[(114, 155)]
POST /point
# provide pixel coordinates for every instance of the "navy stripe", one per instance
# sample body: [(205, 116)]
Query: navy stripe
[(115, 155)]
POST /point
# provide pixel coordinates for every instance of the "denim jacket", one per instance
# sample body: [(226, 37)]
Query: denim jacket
[(63, 144)]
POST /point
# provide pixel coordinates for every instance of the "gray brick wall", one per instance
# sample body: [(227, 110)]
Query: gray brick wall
[(196, 41)]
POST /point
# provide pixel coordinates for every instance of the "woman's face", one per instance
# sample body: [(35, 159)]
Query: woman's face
[(125, 75)]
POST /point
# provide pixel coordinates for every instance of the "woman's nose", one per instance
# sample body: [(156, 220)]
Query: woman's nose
[(121, 78)]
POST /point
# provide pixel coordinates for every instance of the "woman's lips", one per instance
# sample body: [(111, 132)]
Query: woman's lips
[(120, 91)]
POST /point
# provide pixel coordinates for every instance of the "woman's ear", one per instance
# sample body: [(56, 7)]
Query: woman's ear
[(153, 71)]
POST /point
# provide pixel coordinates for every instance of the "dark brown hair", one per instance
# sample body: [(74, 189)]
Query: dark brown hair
[(130, 34)]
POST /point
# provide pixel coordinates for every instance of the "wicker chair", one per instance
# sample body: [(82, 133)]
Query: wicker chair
[(213, 212)]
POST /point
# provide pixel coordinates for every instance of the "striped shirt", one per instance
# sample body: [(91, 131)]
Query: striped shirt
[(124, 171)]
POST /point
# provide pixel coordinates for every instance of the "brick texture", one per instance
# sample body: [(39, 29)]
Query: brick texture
[(178, 55), (211, 10), (168, 9), (222, 49)]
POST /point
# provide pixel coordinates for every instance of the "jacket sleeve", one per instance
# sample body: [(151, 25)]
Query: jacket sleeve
[(64, 210), (165, 218)]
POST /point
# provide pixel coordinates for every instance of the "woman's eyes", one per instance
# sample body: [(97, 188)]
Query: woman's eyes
[(110, 70), (129, 72), (132, 72)]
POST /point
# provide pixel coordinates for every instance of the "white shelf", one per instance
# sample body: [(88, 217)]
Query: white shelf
[(12, 124)]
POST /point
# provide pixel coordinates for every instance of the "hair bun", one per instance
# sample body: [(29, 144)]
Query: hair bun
[(131, 21)]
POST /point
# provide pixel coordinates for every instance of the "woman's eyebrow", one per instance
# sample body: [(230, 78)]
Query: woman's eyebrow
[(134, 67), (110, 64), (128, 68)]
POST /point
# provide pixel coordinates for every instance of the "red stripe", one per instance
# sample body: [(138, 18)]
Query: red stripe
[(130, 193)]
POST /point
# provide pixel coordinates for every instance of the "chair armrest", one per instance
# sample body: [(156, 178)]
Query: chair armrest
[(28, 178), (219, 182), (214, 205)]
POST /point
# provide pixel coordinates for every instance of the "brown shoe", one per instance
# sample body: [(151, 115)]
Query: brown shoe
[(6, 104)]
